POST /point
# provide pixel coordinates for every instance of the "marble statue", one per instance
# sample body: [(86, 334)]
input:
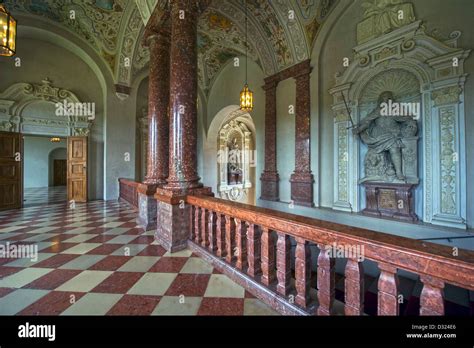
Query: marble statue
[(384, 134)]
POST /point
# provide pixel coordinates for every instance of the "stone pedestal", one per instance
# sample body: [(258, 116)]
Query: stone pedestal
[(270, 189), (146, 206), (302, 189), (174, 217), (394, 201)]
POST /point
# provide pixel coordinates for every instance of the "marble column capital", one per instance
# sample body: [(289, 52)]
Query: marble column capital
[(160, 36)]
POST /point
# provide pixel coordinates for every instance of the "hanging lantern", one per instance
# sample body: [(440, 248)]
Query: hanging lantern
[(7, 33), (246, 95), (246, 99)]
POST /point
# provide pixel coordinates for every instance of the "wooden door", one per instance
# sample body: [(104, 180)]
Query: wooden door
[(77, 169), (11, 166), (59, 172)]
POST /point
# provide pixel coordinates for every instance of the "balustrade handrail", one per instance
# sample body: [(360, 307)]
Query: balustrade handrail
[(419, 257)]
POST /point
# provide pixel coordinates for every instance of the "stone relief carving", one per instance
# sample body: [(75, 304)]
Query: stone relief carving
[(384, 135), (383, 16)]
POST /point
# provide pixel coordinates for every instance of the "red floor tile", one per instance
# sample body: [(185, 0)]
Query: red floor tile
[(135, 305), (101, 238), (5, 271), (5, 291), (143, 240), (221, 306), (57, 248), (118, 283), (110, 263), (53, 279), (189, 285), (53, 303), (55, 261), (169, 265), (105, 249), (135, 231), (153, 250)]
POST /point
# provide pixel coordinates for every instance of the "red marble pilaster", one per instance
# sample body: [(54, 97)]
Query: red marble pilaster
[(270, 177), (302, 179)]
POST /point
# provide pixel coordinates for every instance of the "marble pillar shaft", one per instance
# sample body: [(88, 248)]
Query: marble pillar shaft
[(173, 213), (158, 107), (183, 96), (270, 177), (158, 126)]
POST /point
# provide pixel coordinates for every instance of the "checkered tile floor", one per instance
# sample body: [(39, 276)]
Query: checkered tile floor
[(94, 260), (44, 195)]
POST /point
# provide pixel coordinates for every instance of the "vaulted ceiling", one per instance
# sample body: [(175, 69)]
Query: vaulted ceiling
[(280, 32)]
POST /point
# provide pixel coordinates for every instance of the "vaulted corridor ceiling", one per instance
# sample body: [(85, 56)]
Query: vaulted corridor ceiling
[(281, 32)]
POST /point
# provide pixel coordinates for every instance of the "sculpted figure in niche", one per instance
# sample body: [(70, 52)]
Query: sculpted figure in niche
[(234, 167), (383, 136)]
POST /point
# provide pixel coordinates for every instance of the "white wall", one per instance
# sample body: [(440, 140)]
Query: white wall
[(36, 160)]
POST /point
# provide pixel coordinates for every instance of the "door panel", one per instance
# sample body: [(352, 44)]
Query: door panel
[(11, 164), (77, 169)]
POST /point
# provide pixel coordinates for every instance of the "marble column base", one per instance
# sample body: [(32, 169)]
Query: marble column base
[(302, 189), (174, 217), (146, 206), (390, 200), (270, 190)]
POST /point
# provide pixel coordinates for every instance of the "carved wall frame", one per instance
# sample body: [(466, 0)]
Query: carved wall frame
[(442, 104), (18, 96)]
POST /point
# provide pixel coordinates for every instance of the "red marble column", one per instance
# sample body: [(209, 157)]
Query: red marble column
[(302, 179), (158, 42), (173, 213), (270, 177), (183, 96), (158, 106)]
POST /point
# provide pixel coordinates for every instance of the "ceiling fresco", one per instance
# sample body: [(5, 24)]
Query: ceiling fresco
[(114, 28)]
